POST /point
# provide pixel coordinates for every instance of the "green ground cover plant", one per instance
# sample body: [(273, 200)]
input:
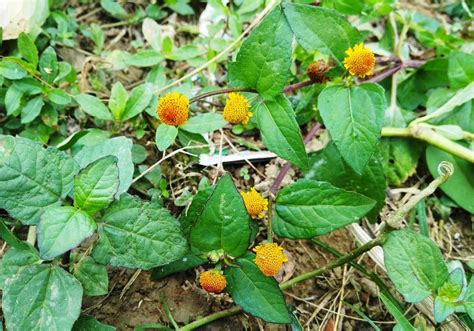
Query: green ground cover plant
[(81, 184)]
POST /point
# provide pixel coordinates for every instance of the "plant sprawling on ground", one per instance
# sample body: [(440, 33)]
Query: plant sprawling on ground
[(98, 126)]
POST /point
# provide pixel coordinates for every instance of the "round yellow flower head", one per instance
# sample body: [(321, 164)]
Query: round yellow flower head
[(173, 109), (212, 281), (270, 258), (236, 109), (255, 203), (360, 61)]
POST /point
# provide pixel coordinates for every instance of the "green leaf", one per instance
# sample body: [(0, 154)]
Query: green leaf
[(328, 165), (14, 260), (191, 214), (137, 234), (400, 158), (145, 58), (114, 9), (460, 185), (310, 208), (118, 100), (414, 264), (48, 65), (11, 70), (59, 97), (120, 147), (460, 69), (13, 99), (256, 293), (399, 316), (165, 136), (354, 119), (89, 323), (50, 299), (280, 131), (138, 100), (93, 106), (224, 222), (93, 277), (189, 261), (203, 123), (264, 60), (27, 48), (32, 109), (61, 229), (96, 185), (321, 29), (442, 309), (469, 299), (28, 85), (32, 177)]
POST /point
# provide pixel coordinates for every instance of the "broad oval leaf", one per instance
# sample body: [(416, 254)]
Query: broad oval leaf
[(138, 234), (32, 177), (32, 109), (256, 293), (280, 131), (62, 229), (50, 299), (460, 185), (310, 208), (93, 106), (354, 118), (11, 70), (89, 323), (15, 259), (264, 60), (203, 123), (321, 29), (224, 222), (118, 100), (328, 165), (460, 69), (93, 277), (138, 100), (27, 48), (120, 147), (414, 264), (165, 136), (96, 185)]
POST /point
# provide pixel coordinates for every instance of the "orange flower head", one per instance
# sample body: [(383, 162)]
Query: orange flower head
[(270, 258), (173, 109), (212, 281), (360, 61), (255, 203), (236, 109)]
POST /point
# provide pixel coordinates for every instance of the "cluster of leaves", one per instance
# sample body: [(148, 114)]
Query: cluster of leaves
[(72, 196)]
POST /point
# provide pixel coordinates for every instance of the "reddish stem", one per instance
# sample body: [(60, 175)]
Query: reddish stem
[(284, 170), (297, 86)]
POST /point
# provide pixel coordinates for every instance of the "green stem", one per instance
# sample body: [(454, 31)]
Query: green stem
[(445, 170), (337, 263), (221, 91), (9, 237), (211, 318), (269, 219), (426, 133)]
